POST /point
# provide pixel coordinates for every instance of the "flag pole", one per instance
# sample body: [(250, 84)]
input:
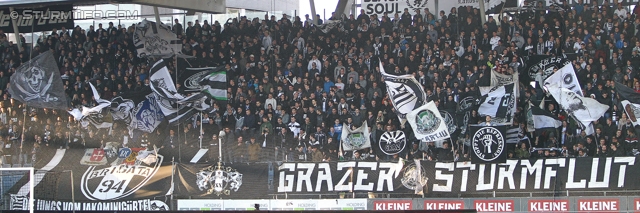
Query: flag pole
[(201, 130), (22, 135)]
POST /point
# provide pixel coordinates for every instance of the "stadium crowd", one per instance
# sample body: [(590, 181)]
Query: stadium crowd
[(293, 88)]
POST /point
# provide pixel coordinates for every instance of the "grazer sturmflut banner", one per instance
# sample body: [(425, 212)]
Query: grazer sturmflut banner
[(529, 175), (116, 179), (37, 19)]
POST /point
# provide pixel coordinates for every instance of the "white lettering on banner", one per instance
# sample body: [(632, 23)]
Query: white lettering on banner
[(537, 174), (362, 177), (549, 172), (49, 205), (531, 169), (443, 205), (465, 173), (507, 173), (494, 205), (623, 167), (392, 205), (295, 177), (340, 185), (445, 177), (305, 176), (288, 185), (570, 178), (548, 205), (324, 175), (593, 182), (598, 205), (481, 173), (637, 204)]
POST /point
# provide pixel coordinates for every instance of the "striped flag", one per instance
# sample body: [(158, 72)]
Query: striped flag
[(405, 93), (513, 135), (215, 85)]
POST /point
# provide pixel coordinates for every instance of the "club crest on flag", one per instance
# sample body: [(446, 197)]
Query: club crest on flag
[(116, 181), (427, 122), (219, 180), (410, 178), (448, 119), (393, 142), (356, 140), (488, 143), (193, 82)]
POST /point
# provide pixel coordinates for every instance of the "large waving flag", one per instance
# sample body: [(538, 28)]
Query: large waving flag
[(405, 93), (499, 103), (37, 83), (170, 101), (97, 115), (153, 39), (584, 110), (565, 78)]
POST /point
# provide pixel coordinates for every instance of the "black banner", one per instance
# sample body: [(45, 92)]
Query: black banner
[(103, 179), (230, 181), (37, 19), (488, 144), (120, 183)]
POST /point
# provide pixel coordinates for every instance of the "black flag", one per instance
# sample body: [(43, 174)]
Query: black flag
[(37, 83), (488, 144)]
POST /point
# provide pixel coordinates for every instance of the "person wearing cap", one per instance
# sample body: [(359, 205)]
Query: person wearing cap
[(518, 39)]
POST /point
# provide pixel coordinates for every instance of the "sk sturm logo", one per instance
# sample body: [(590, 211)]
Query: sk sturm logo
[(427, 122), (417, 4), (117, 181), (392, 142), (219, 180), (410, 178), (356, 140), (488, 143), (193, 82), (448, 119)]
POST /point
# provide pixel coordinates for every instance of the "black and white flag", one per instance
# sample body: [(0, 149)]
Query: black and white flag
[(543, 119), (405, 93), (392, 142), (565, 78), (99, 115), (632, 110), (427, 123), (584, 110), (499, 103), (172, 104), (355, 139), (331, 24), (540, 67), (488, 144), (154, 39), (463, 112), (627, 93), (37, 83)]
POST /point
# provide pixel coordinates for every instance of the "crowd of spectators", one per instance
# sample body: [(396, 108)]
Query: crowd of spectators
[(293, 88)]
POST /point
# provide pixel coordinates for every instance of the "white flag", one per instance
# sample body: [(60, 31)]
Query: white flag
[(565, 78), (155, 39), (584, 110), (632, 110), (355, 139), (427, 123)]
